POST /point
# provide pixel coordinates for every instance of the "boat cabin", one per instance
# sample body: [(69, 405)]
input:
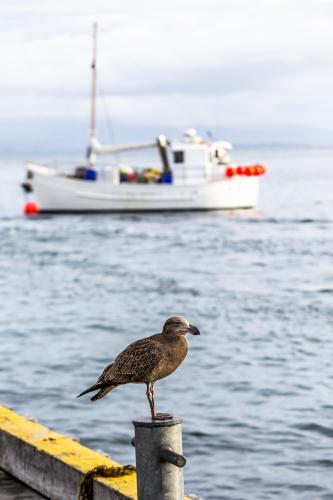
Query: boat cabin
[(189, 162)]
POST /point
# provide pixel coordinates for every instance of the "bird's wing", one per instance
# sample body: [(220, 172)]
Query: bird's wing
[(133, 362), (104, 375)]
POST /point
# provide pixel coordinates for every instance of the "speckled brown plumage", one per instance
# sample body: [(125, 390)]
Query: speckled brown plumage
[(146, 361)]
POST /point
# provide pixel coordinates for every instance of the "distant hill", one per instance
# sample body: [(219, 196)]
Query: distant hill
[(64, 136)]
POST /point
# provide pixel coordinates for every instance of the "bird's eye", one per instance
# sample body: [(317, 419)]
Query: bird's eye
[(176, 322)]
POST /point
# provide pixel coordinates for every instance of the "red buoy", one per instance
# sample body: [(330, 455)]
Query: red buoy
[(248, 170), (229, 172), (31, 208)]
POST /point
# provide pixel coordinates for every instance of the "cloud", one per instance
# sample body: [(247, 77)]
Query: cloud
[(172, 62)]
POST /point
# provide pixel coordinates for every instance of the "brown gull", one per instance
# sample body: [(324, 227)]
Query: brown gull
[(146, 361)]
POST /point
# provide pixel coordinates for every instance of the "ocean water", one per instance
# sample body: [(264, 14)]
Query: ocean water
[(256, 390)]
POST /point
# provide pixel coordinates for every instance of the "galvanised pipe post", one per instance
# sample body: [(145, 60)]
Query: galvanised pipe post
[(159, 459)]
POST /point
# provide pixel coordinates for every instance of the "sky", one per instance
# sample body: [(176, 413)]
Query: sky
[(259, 71)]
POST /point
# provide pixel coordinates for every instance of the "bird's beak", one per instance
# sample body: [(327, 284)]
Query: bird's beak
[(194, 330)]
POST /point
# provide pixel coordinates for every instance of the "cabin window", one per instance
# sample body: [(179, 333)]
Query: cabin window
[(178, 156)]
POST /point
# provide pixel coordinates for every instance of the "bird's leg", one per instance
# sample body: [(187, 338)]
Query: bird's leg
[(150, 397), (157, 416)]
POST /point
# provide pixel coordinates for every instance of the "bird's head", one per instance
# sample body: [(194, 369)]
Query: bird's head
[(177, 325)]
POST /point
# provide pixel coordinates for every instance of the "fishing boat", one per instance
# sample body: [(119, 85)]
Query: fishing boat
[(194, 174)]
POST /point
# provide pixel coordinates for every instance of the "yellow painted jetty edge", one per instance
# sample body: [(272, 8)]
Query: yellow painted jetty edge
[(64, 449)]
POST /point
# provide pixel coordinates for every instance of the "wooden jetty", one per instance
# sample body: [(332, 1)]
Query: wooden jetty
[(55, 465), (11, 489)]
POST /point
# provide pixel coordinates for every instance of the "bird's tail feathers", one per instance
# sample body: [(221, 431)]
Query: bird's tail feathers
[(103, 388), (91, 389), (103, 392)]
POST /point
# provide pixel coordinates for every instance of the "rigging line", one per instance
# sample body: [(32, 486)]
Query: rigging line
[(109, 127)]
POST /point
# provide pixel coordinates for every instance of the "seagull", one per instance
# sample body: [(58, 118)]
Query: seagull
[(146, 361)]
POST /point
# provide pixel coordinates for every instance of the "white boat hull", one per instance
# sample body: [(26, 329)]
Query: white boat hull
[(55, 193)]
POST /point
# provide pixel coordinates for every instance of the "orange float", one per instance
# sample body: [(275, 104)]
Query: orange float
[(249, 170)]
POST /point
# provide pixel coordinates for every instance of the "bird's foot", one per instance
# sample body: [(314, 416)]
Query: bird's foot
[(162, 416)]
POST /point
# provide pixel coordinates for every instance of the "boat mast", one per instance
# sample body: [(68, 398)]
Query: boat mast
[(92, 156), (95, 147)]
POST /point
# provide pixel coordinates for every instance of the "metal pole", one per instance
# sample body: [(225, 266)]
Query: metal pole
[(162, 147), (92, 158), (159, 459)]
